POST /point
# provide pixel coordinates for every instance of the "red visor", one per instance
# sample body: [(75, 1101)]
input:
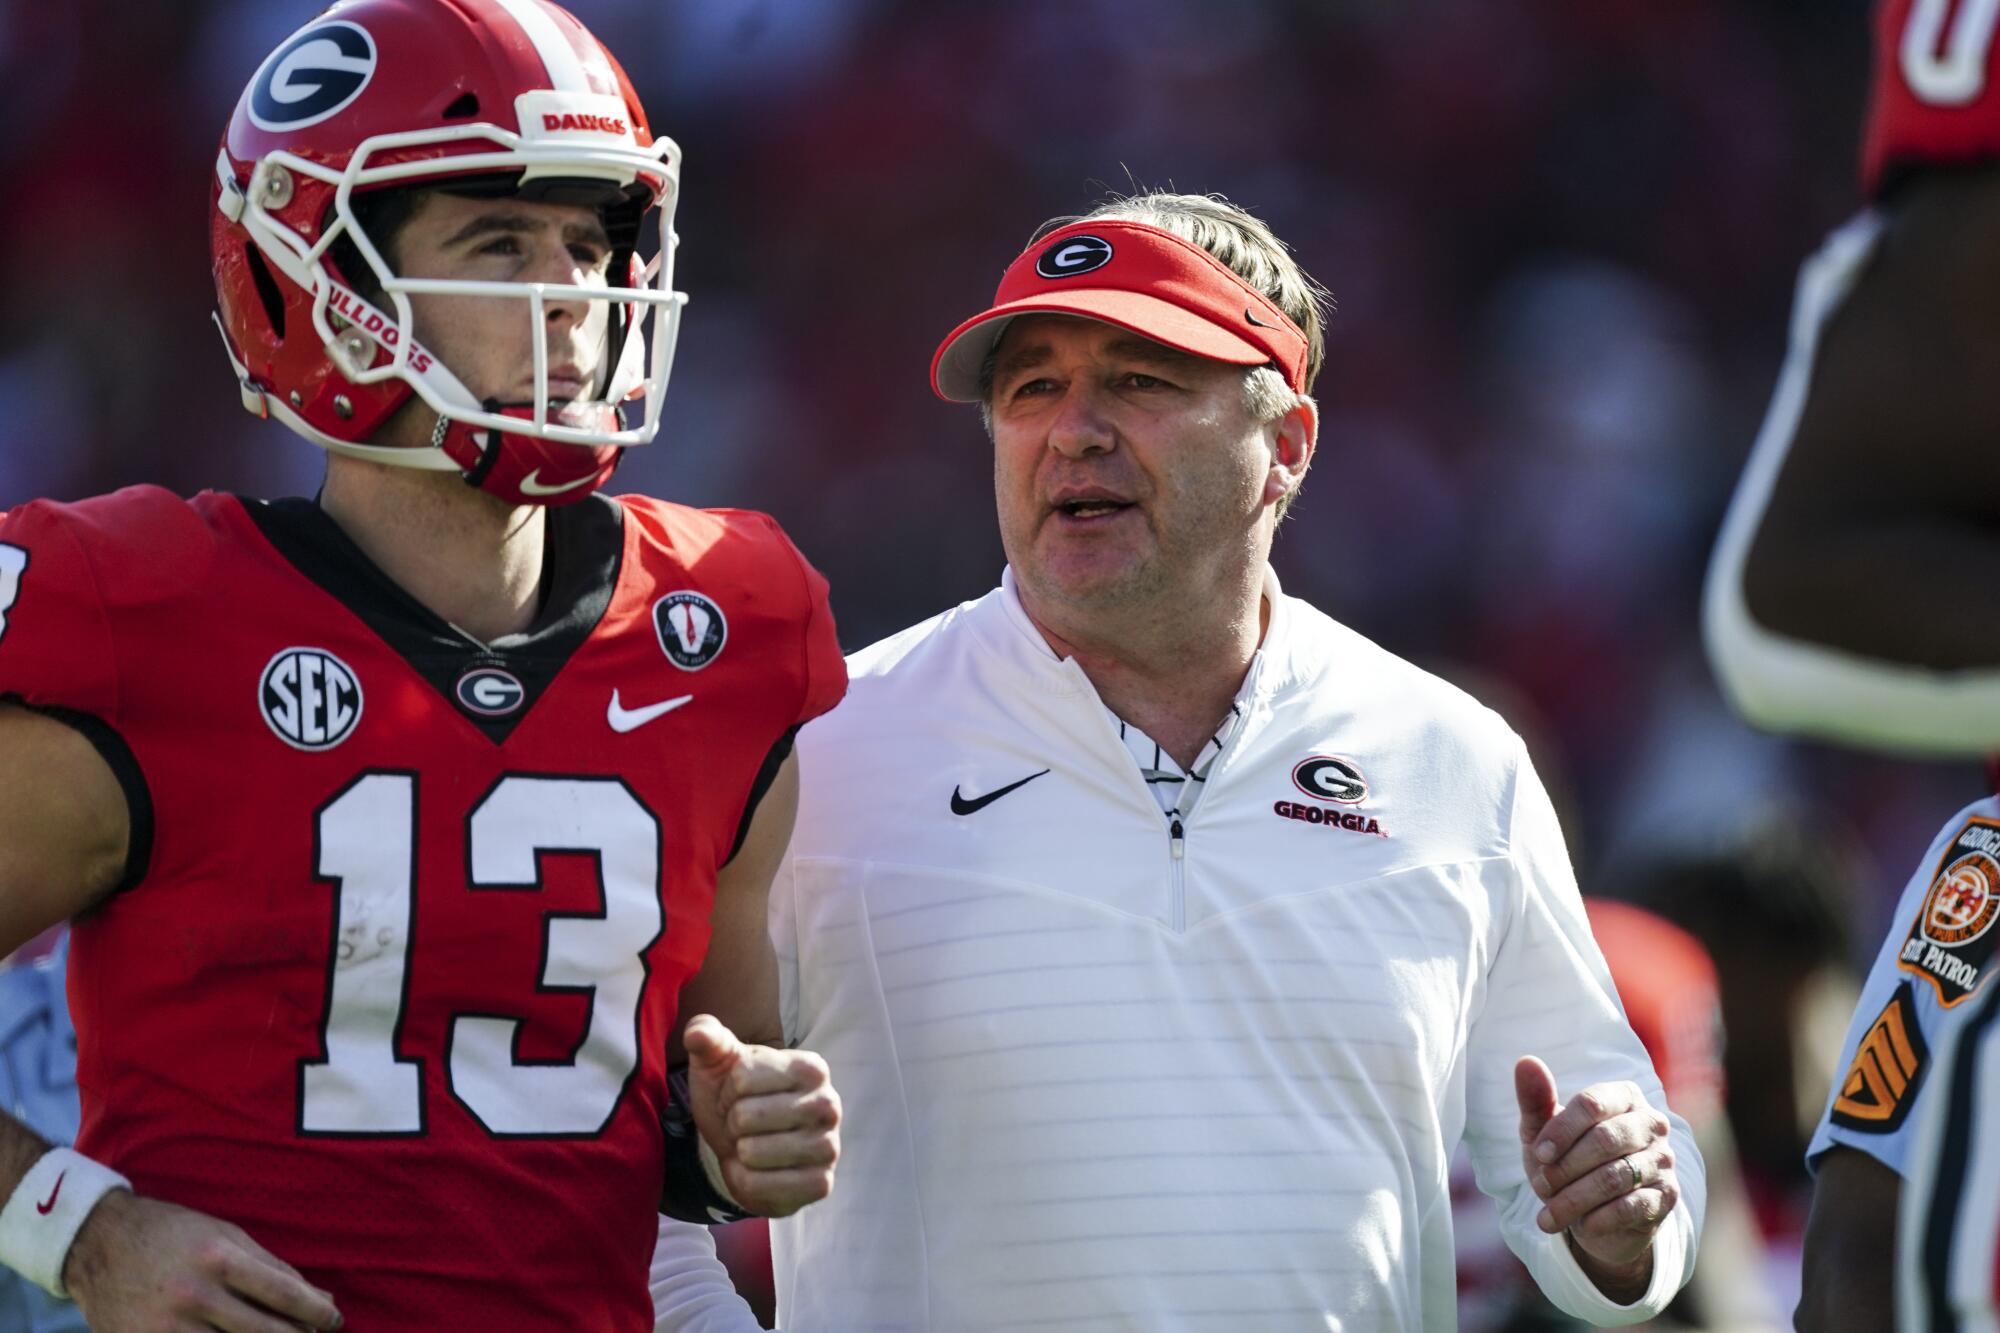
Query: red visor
[(1138, 277)]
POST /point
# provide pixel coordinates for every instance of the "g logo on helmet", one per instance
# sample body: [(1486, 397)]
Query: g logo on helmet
[(1074, 255), (1326, 777), (313, 76)]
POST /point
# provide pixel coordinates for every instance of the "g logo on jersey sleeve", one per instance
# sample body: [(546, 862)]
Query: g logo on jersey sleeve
[(1952, 939), (310, 699)]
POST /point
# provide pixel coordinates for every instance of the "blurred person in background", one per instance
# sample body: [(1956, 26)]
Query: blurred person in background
[(1851, 597), (391, 884), (37, 1087), (1770, 905), (1168, 935)]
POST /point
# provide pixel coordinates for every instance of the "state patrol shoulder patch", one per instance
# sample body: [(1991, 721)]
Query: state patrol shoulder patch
[(1953, 937), (1880, 1086)]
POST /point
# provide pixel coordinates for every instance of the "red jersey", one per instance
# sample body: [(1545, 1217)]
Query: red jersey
[(392, 980), (1935, 95)]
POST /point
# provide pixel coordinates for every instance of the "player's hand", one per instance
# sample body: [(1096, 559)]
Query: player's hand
[(140, 1265), (1604, 1170), (771, 1116)]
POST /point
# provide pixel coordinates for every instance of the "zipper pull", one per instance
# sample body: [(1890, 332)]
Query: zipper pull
[(1178, 840)]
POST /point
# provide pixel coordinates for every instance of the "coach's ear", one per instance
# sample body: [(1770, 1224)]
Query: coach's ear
[(1294, 437)]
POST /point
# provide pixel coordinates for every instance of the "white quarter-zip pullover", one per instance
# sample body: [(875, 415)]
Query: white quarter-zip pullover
[(1098, 1076)]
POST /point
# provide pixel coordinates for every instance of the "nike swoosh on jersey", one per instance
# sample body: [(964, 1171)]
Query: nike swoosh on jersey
[(532, 484), (623, 719), (961, 806)]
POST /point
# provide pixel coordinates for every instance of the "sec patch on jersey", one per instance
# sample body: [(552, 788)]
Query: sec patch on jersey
[(1881, 1084), (1952, 938)]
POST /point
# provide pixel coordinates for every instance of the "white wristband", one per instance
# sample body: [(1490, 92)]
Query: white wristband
[(48, 1208), (711, 1166)]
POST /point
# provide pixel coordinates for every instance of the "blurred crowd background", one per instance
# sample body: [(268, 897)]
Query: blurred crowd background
[(1562, 236)]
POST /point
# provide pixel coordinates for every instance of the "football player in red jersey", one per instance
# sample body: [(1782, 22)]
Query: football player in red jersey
[(1851, 597), (400, 828)]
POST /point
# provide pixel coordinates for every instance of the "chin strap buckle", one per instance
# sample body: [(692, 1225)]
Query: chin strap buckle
[(229, 201), (253, 392)]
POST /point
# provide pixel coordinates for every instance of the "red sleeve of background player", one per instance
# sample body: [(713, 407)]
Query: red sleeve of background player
[(822, 669), (55, 637), (1672, 999), (1934, 98)]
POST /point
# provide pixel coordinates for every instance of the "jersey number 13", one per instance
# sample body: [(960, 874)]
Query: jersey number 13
[(365, 843)]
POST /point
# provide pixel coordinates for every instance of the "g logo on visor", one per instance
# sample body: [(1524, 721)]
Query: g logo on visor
[(313, 76), (1074, 255)]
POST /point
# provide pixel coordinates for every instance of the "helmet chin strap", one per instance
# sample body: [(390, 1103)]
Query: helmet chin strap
[(524, 470)]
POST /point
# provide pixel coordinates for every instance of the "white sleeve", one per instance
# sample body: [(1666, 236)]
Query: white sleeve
[(1949, 1219), (1793, 685), (1905, 1006), (1549, 994), (692, 1292), (783, 915)]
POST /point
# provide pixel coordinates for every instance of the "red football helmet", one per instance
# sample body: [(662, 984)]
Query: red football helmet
[(479, 96)]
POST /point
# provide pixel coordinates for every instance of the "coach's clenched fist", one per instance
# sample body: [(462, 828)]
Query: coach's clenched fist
[(1603, 1167), (771, 1117)]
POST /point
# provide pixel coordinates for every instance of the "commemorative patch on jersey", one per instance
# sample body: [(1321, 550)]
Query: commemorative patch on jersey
[(310, 699), (1881, 1085), (1952, 939), (691, 627)]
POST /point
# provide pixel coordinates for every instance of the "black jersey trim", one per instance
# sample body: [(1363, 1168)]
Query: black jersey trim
[(685, 1194), (767, 773), (111, 746), (584, 553)]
